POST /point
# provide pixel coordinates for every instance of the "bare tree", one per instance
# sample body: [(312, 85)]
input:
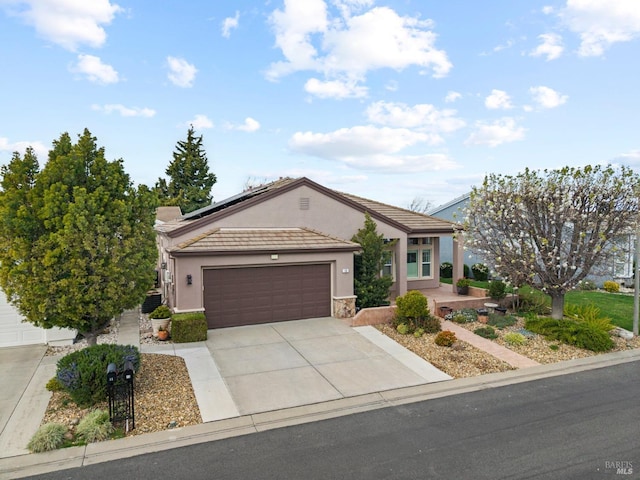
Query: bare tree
[(420, 205)]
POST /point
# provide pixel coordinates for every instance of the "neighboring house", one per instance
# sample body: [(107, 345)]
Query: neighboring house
[(283, 251), (14, 332), (454, 212), (617, 265)]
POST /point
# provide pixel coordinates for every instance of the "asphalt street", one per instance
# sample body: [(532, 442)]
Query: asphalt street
[(579, 426)]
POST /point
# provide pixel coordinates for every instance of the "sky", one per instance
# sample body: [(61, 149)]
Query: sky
[(390, 100)]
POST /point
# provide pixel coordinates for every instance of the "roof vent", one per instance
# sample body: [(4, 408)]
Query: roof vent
[(304, 203)]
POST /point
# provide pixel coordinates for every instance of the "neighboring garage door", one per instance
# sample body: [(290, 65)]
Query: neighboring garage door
[(247, 296)]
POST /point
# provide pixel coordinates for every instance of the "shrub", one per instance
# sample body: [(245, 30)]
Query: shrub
[(586, 285), (497, 289), (533, 301), (466, 315), (611, 287), (95, 426), (554, 347), (466, 271), (501, 321), (54, 385), (480, 271), (486, 332), (446, 270), (189, 327), (413, 310), (418, 333), (589, 314), (514, 338), (49, 436), (463, 282), (161, 312), (402, 328), (83, 372), (572, 332), (445, 338)]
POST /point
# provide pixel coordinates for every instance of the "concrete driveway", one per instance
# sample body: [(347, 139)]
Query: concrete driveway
[(282, 365)]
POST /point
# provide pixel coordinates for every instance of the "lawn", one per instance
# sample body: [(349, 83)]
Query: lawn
[(616, 306)]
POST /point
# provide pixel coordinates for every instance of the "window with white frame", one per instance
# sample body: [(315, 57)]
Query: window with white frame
[(387, 268), (420, 258)]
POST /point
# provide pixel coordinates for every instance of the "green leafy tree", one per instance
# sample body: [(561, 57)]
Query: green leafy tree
[(551, 229), (77, 244), (371, 288), (190, 182)]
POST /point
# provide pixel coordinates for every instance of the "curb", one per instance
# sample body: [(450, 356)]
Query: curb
[(34, 464)]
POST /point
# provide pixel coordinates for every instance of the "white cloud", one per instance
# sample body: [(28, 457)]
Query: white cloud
[(38, 147), (629, 158), (70, 23), (550, 46), (421, 117), (548, 9), (181, 72), (547, 97), (452, 96), (95, 70), (125, 111), (200, 122), (347, 46), (335, 88), (249, 125), (496, 133), (229, 24), (601, 23), (371, 147), (498, 99)]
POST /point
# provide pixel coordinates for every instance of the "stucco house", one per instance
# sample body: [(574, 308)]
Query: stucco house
[(282, 251)]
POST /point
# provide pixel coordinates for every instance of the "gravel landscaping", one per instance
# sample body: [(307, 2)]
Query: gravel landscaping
[(164, 396)]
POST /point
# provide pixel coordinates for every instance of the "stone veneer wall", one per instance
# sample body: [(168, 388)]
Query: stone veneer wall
[(344, 307)]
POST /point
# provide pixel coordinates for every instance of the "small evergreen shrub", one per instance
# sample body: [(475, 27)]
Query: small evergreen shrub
[(466, 315), (54, 385), (554, 347), (49, 436), (486, 332), (161, 311), (83, 373), (466, 270), (402, 328), (189, 327), (95, 426), (480, 271), (572, 332), (445, 338), (501, 321), (611, 287), (412, 309), (446, 270), (497, 289), (514, 338)]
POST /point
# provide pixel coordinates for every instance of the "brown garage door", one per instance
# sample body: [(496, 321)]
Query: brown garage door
[(247, 296)]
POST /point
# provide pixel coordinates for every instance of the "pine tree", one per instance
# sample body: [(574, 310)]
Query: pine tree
[(371, 288), (190, 182), (78, 244)]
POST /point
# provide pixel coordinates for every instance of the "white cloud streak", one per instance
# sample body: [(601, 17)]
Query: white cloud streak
[(601, 23), (230, 23), (550, 46), (200, 122), (38, 147), (124, 111), (181, 73), (95, 71), (496, 133), (546, 97), (498, 100), (69, 23)]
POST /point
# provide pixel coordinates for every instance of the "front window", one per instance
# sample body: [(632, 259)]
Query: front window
[(426, 263), (412, 264), (387, 268)]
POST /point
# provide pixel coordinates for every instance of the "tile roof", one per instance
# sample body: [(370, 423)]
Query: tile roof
[(263, 239)]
